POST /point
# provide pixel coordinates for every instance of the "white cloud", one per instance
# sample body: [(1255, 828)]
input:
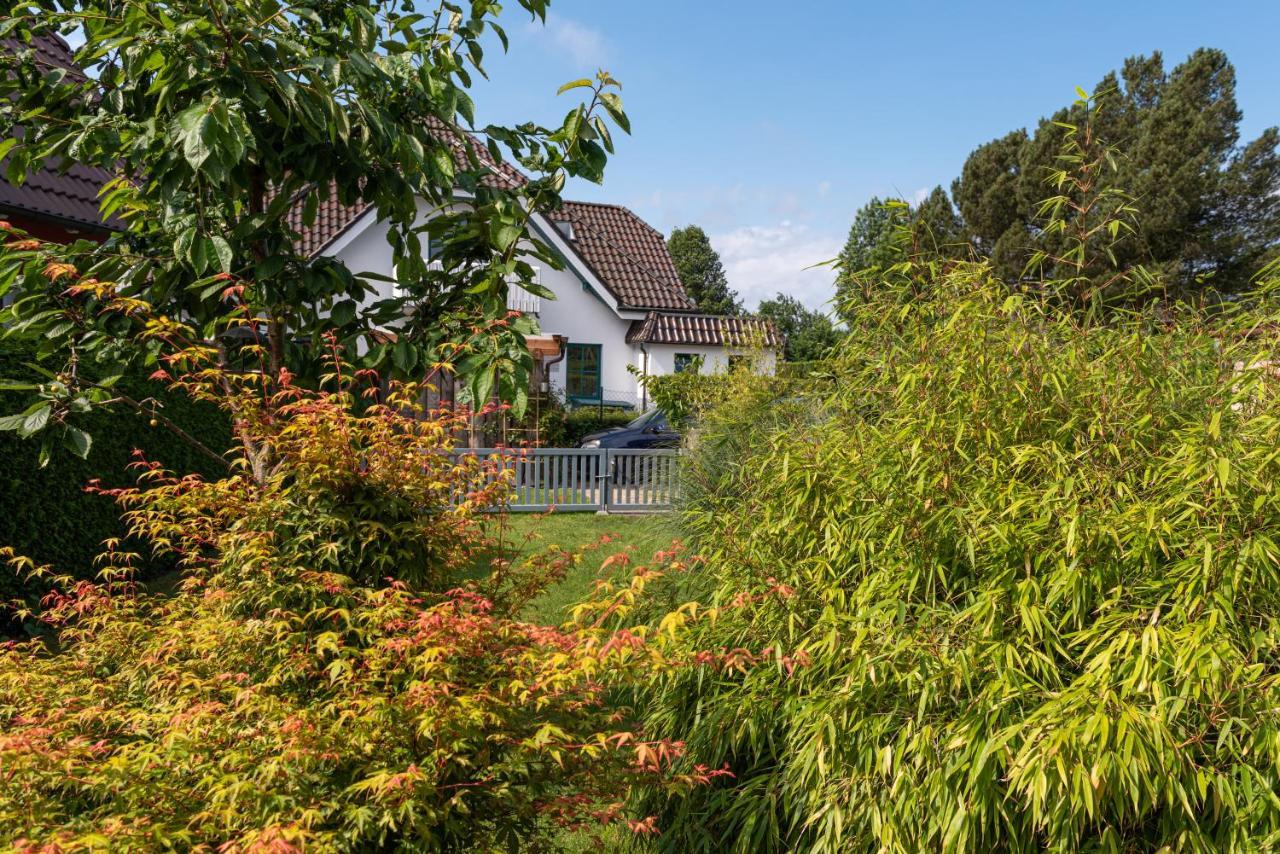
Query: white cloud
[(761, 260), (920, 195), (586, 47)]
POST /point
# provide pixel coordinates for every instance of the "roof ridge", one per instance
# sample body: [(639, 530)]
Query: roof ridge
[(617, 207)]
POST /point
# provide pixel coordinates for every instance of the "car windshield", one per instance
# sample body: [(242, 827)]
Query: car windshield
[(637, 423)]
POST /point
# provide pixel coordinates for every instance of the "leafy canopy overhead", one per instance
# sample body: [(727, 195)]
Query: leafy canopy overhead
[(226, 124), (701, 272)]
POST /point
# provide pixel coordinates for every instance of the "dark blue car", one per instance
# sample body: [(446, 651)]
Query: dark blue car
[(650, 430)]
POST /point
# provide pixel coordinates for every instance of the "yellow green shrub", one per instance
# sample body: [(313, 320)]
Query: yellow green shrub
[(1015, 586)]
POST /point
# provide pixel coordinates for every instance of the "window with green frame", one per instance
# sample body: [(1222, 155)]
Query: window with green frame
[(582, 371), (688, 362)]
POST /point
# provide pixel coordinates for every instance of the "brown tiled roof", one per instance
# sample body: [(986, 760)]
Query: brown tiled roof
[(333, 217), (69, 194), (52, 51), (711, 329), (627, 254)]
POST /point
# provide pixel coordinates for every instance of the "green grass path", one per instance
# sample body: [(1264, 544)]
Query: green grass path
[(640, 536)]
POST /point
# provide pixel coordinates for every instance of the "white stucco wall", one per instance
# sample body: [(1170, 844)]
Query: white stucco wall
[(662, 358), (582, 318), (365, 249)]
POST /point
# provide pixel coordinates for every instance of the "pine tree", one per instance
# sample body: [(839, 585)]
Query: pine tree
[(701, 272), (1208, 207), (937, 228), (870, 240), (886, 232)]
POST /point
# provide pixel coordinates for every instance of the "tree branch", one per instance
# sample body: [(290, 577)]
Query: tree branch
[(142, 409)]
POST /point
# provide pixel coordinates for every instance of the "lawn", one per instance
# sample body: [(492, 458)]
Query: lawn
[(640, 536)]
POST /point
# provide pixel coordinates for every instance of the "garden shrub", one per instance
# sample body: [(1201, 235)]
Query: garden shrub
[(558, 426), (46, 514), (686, 395), (318, 682), (1017, 589)]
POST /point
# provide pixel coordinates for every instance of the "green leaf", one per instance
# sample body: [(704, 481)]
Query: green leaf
[(505, 234), (222, 249), (574, 84), (79, 442), (404, 355), (481, 387), (270, 267), (196, 123), (201, 249), (613, 105), (35, 421), (343, 312)]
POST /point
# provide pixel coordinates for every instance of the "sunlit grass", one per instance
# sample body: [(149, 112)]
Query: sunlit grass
[(523, 534)]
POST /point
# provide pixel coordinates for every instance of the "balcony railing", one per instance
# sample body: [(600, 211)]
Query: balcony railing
[(518, 299)]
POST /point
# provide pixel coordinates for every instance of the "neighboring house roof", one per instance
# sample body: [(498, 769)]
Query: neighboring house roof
[(332, 219), (706, 329), (70, 194), (625, 253)]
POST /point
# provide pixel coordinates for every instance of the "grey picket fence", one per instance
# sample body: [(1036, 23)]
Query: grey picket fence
[(584, 479)]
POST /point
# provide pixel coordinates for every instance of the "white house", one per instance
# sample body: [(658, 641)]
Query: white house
[(619, 301)]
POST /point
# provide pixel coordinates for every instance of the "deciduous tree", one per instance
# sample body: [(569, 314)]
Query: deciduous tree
[(226, 124), (809, 334)]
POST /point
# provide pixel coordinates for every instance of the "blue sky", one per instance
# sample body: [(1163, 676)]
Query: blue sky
[(770, 124)]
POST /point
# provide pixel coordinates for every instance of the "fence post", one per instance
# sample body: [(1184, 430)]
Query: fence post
[(606, 478)]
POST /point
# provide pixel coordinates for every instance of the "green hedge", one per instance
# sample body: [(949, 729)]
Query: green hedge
[(560, 427), (46, 514), (580, 423)]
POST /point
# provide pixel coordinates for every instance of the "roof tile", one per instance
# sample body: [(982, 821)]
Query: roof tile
[(69, 194), (707, 329), (333, 217), (628, 254)]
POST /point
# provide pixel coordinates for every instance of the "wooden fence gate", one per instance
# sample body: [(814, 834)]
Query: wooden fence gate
[(582, 479)]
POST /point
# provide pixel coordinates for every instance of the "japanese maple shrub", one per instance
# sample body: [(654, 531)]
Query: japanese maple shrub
[(321, 680)]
